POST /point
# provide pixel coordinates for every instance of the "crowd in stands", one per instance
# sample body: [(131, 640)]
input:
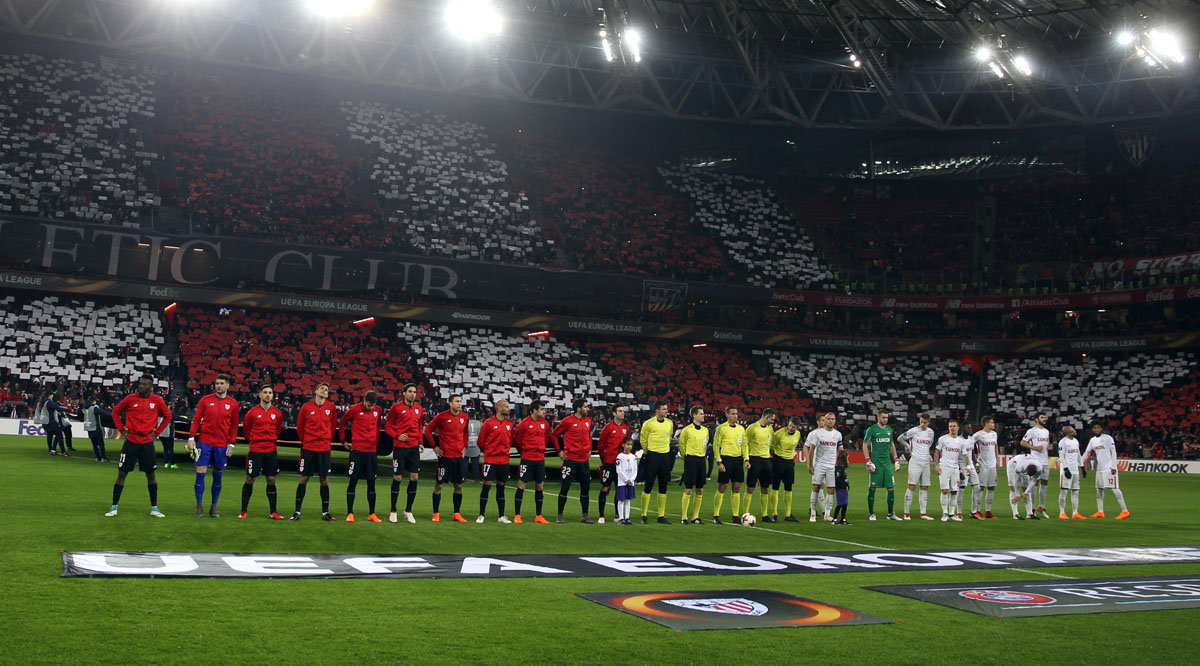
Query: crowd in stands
[(74, 140)]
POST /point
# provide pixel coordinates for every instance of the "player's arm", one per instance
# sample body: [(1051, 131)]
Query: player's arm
[(390, 426), (341, 426), (166, 419), (117, 412), (197, 418), (246, 425), (644, 433), (937, 458), (556, 437), (867, 448), (431, 436), (808, 453), (1027, 442)]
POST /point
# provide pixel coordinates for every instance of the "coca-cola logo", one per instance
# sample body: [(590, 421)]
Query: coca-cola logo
[(1160, 295)]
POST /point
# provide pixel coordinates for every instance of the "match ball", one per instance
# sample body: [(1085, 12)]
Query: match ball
[(748, 520)]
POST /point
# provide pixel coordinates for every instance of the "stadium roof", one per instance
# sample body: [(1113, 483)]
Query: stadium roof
[(749, 61)]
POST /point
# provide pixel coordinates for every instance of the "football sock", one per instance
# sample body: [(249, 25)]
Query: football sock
[(483, 498), (351, 491), (300, 490), (517, 499), (908, 494), (216, 487), (737, 504), (324, 499), (1062, 501), (371, 495), (153, 489), (662, 504), (395, 494), (976, 498), (696, 507), (457, 501), (272, 497), (645, 504), (989, 495), (500, 500), (247, 491), (923, 500), (117, 488), (1075, 501), (1100, 500), (601, 501), (812, 501), (787, 502), (199, 488), (891, 501), (687, 503), (584, 500), (562, 496), (718, 500), (945, 502), (762, 503), (774, 504), (539, 497), (437, 502), (871, 500), (411, 496), (1120, 498)]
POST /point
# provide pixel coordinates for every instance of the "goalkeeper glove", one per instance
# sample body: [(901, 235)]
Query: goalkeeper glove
[(870, 466), (229, 450), (195, 453), (1067, 473)]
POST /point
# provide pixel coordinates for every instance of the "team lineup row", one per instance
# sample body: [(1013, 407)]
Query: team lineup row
[(758, 455)]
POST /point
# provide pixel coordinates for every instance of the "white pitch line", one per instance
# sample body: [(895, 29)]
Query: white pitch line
[(1042, 573)]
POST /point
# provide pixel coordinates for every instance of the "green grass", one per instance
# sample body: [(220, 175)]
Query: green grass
[(52, 503)]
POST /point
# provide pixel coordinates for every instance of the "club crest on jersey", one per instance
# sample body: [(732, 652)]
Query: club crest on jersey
[(1007, 597), (738, 606), (327, 412), (226, 407), (272, 417)]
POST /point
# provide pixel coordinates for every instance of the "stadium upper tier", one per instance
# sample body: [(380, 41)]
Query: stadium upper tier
[(248, 155)]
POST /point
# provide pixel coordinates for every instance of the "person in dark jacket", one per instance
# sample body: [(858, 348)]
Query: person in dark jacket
[(91, 424), (842, 483)]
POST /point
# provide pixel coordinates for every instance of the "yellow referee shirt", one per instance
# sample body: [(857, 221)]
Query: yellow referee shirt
[(693, 440), (784, 445), (656, 435), (729, 440), (758, 439)]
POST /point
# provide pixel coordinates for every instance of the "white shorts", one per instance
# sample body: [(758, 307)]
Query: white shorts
[(949, 479), (918, 474), (1044, 475), (823, 477), (987, 476), (972, 478), (1071, 483), (1106, 480)]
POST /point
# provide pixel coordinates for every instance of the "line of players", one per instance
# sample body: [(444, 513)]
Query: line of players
[(758, 455)]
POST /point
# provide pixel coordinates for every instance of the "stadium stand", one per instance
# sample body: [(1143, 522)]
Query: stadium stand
[(615, 215), (486, 365), (754, 229), (1076, 393), (447, 190), (1173, 407), (264, 164), (857, 386), (53, 340), (73, 141)]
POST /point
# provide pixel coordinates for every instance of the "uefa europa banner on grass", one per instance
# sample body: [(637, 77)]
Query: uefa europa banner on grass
[(334, 565)]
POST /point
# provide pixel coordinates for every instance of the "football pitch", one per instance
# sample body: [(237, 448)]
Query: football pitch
[(50, 504)]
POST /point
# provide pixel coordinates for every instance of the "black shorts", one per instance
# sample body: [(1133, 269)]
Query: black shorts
[(783, 470), (608, 474), (258, 462), (695, 471), (533, 470), (578, 472), (450, 470), (759, 472), (364, 465), (497, 472), (318, 463), (406, 460), (735, 470), (657, 467), (141, 455)]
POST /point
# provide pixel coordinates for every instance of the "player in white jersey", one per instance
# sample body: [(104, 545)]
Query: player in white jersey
[(1102, 446), (918, 440), (1037, 440), (968, 479), (984, 442), (948, 457), (1023, 472), (820, 450), (1068, 474)]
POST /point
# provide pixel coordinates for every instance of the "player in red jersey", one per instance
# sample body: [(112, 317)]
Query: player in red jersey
[(405, 422), (495, 441), (364, 458), (316, 425), (447, 434), (214, 432), (261, 427), (575, 432), (610, 445), (532, 435), (140, 418)]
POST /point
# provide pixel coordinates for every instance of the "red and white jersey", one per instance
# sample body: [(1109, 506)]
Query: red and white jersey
[(610, 441), (1039, 437), (1068, 453), (1105, 451), (532, 438), (1019, 463), (495, 440), (452, 431), (261, 428), (951, 449), (405, 419), (364, 426), (825, 445), (316, 425), (919, 442), (145, 418), (216, 421), (985, 447), (577, 438)]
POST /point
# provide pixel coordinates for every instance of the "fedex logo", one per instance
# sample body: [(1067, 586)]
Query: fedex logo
[(30, 428)]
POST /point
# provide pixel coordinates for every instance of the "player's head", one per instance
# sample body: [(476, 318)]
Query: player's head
[(925, 421), (842, 459), (537, 409), (322, 390), (456, 403), (1068, 431), (952, 425), (830, 419), (881, 417), (501, 408), (266, 395), (793, 424), (697, 413), (370, 398), (618, 413), (1031, 470), (145, 385), (768, 416), (627, 445), (1097, 428), (1040, 418), (989, 422), (581, 407), (660, 410), (410, 393), (221, 384), (731, 414)]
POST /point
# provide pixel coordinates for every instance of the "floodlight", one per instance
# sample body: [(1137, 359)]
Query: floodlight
[(337, 8), (473, 19)]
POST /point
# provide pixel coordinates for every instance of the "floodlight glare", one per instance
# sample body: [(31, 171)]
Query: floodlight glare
[(996, 69), (1125, 38), (633, 41), (984, 53), (1023, 65), (473, 19), (337, 8), (1166, 44)]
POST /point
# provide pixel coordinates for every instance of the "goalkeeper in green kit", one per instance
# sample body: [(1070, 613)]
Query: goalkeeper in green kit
[(880, 449)]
